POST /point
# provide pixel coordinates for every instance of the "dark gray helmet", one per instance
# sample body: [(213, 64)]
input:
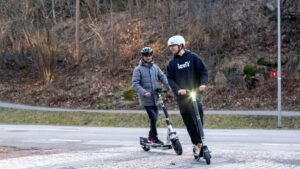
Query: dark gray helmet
[(146, 51)]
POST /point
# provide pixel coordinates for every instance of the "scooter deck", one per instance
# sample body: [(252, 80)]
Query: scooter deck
[(144, 142)]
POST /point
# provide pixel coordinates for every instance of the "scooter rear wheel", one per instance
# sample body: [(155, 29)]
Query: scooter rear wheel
[(145, 148), (177, 147)]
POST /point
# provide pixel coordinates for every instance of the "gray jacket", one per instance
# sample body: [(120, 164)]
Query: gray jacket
[(145, 79)]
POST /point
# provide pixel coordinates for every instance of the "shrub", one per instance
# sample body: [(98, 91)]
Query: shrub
[(129, 94), (261, 61), (249, 70)]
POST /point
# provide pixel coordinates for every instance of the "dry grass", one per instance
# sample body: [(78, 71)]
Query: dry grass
[(43, 47), (9, 116)]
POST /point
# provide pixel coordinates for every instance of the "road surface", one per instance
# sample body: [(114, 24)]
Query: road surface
[(118, 148)]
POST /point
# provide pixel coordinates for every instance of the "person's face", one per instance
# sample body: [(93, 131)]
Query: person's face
[(174, 49), (147, 58)]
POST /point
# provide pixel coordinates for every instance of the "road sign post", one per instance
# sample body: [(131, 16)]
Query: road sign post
[(279, 123)]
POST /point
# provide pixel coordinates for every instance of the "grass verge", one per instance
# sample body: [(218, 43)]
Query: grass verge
[(11, 116)]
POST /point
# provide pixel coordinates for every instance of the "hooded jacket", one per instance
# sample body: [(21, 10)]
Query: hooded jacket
[(186, 72)]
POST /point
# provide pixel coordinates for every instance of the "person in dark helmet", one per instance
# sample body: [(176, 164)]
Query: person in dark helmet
[(145, 79), (186, 71)]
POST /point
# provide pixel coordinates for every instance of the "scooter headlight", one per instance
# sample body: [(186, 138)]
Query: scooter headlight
[(193, 94)]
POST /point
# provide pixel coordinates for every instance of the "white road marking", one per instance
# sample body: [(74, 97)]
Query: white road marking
[(279, 144), (39, 129), (63, 140), (226, 134), (109, 142)]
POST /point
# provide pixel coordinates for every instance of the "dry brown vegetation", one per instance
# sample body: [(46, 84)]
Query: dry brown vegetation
[(41, 63)]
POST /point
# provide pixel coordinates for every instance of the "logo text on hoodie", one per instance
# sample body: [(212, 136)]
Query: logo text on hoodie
[(185, 65)]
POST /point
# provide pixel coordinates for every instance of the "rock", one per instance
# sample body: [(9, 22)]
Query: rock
[(220, 80), (15, 61), (260, 77), (293, 64), (234, 76), (211, 74), (81, 90), (251, 82)]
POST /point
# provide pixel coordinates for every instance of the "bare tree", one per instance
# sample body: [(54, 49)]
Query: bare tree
[(98, 6), (77, 58), (150, 4), (193, 8), (137, 2), (93, 8), (53, 11), (113, 38), (131, 7), (103, 4), (171, 14), (26, 8)]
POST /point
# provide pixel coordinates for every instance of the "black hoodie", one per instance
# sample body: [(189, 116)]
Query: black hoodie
[(186, 72)]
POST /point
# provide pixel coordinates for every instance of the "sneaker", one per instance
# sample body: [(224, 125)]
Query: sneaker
[(150, 139), (197, 150), (157, 141)]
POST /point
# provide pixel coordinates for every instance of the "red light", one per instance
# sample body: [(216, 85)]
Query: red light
[(274, 74)]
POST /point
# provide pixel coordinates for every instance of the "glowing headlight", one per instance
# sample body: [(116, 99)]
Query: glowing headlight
[(193, 94)]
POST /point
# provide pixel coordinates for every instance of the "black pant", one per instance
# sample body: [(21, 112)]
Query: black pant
[(187, 114), (152, 112)]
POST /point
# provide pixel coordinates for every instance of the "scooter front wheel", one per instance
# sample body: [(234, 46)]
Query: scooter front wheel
[(177, 147), (207, 156)]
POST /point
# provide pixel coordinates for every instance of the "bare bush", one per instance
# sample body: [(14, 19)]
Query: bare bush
[(42, 48)]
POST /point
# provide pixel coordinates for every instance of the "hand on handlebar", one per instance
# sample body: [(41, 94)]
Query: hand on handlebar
[(147, 94), (182, 92), (202, 88)]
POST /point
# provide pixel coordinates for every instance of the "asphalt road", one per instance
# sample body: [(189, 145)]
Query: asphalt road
[(94, 147)]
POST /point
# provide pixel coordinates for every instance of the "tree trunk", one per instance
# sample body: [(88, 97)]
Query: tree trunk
[(53, 12), (26, 8), (150, 7), (137, 2), (98, 7), (112, 35), (105, 5), (77, 58), (131, 7), (171, 15)]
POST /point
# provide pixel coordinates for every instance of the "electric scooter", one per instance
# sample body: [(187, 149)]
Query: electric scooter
[(172, 140), (205, 153)]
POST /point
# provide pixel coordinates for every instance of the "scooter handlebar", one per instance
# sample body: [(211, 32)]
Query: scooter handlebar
[(161, 90)]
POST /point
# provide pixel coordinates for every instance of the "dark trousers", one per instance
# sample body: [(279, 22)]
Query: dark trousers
[(152, 112), (187, 114)]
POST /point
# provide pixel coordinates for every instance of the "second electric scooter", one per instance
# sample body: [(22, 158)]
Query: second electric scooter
[(172, 140)]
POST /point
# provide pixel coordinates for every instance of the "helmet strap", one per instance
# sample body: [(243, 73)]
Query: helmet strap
[(179, 49)]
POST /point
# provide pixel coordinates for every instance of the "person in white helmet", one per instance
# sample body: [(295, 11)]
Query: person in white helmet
[(186, 71)]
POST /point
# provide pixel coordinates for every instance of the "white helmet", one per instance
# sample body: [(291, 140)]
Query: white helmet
[(176, 40)]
